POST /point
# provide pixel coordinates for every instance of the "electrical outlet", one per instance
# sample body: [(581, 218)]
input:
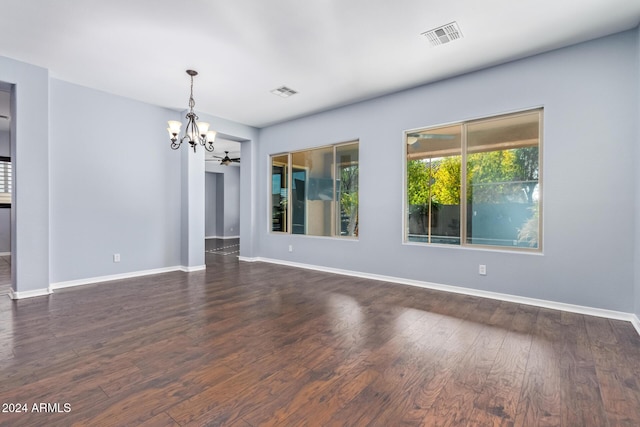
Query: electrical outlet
[(290, 248), (116, 257), (482, 270)]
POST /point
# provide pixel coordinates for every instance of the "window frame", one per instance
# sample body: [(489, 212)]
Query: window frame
[(464, 244), (287, 165), (336, 203)]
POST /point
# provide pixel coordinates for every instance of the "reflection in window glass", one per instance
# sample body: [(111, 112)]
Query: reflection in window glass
[(502, 177), (316, 192), (312, 192), (433, 185), (492, 201), (279, 192), (347, 169)]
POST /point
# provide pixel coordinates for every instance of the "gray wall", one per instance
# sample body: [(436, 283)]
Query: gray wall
[(210, 201), (5, 143), (5, 213), (192, 208), (30, 157), (590, 137), (115, 185), (637, 180), (112, 191), (232, 201), (220, 205)]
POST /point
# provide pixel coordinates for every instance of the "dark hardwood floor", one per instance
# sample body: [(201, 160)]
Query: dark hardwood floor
[(5, 274), (253, 344)]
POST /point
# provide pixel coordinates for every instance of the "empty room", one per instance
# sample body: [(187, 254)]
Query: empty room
[(320, 213)]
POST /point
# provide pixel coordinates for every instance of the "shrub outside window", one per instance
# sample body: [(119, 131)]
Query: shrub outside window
[(476, 183)]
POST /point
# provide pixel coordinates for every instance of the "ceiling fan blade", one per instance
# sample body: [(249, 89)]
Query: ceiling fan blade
[(430, 136)]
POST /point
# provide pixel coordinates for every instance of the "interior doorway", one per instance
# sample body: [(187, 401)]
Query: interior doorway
[(222, 201)]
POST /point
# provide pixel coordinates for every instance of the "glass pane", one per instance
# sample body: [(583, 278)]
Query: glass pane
[(433, 185), (312, 202), (279, 192), (347, 168), (502, 181)]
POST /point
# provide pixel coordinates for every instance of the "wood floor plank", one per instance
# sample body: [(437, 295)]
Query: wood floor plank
[(217, 396), (415, 370), (615, 376), (580, 386), (161, 420), (380, 400), (337, 395), (455, 401), (540, 403), (496, 404), (247, 344), (263, 400)]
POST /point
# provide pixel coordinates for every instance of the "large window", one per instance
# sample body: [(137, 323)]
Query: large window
[(315, 192), (476, 183)]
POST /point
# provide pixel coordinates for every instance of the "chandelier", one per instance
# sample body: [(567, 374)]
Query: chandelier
[(195, 133)]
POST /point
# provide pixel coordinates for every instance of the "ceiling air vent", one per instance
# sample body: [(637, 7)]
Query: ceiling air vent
[(444, 34), (284, 92)]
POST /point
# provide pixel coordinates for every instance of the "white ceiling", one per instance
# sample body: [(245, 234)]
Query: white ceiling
[(333, 52)]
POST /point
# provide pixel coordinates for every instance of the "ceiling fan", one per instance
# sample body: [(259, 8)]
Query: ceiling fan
[(226, 160), (420, 136)]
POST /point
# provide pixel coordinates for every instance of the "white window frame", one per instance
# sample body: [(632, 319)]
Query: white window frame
[(335, 211), (463, 190)]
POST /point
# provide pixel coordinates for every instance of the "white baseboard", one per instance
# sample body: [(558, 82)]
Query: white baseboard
[(111, 277), (590, 311), (222, 237), (5, 253), (191, 269), (249, 259), (635, 321), (28, 294)]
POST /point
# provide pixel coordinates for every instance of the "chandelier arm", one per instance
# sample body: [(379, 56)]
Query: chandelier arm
[(208, 145), (191, 131)]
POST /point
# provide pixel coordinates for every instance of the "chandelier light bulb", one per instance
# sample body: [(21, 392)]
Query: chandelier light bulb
[(174, 125), (203, 127), (174, 128)]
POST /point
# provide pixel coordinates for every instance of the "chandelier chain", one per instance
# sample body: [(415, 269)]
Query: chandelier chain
[(192, 102)]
